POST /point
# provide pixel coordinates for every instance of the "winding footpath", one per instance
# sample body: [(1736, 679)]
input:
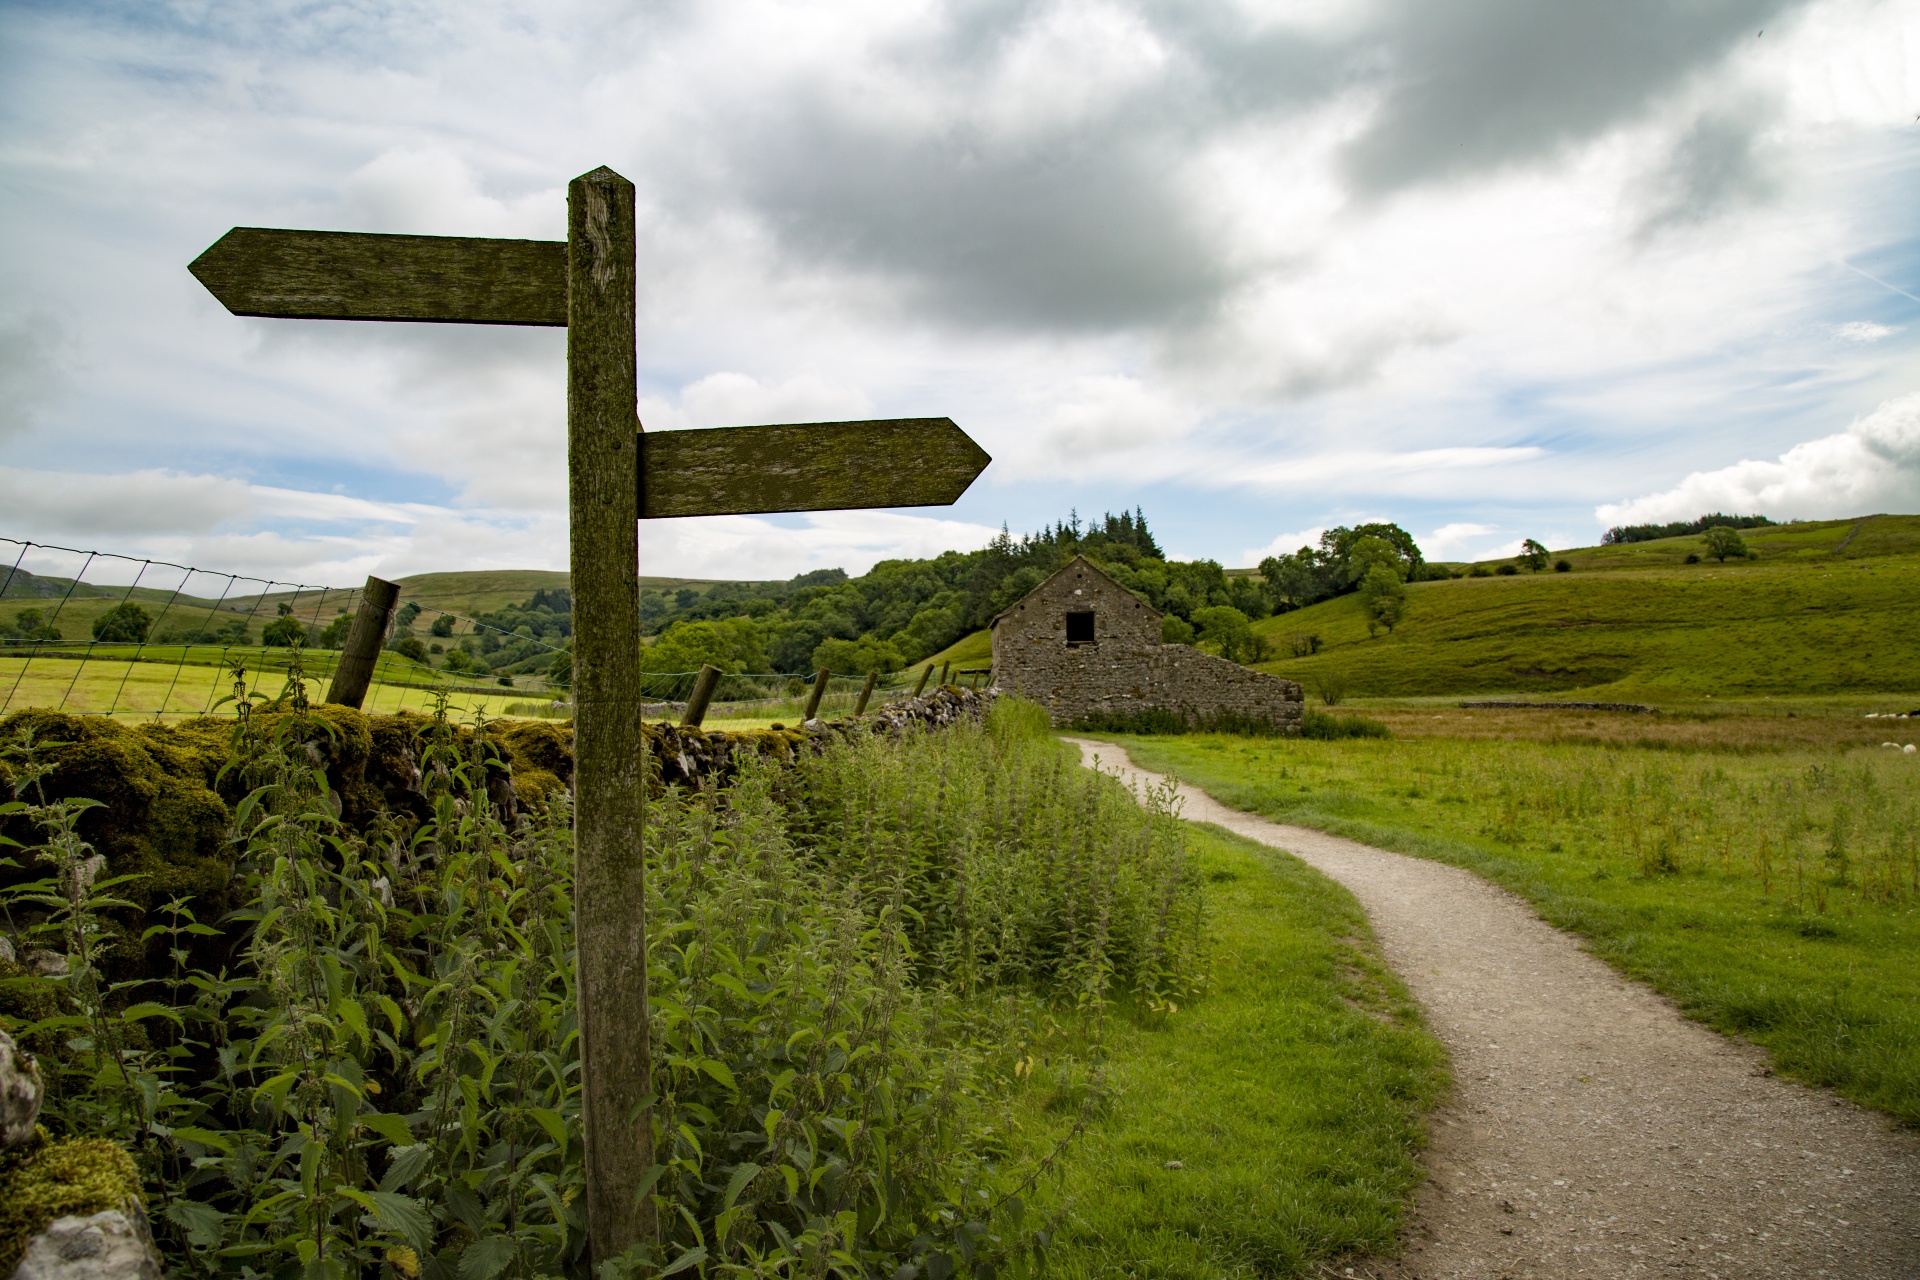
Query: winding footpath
[(1593, 1131)]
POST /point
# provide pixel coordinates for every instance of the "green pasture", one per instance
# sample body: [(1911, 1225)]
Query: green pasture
[(163, 686), (1291, 1095), (1774, 894), (974, 650), (1824, 610)]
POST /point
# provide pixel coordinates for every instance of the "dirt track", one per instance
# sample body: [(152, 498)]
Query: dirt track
[(1593, 1131)]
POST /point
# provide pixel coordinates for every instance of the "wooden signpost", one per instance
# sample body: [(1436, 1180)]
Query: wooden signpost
[(616, 476)]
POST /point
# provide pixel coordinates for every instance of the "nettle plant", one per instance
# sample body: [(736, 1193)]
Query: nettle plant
[(850, 961)]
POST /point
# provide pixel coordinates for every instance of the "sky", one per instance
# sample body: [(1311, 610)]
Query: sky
[(1490, 269)]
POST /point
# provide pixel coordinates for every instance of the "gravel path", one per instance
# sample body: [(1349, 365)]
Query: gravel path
[(1593, 1131)]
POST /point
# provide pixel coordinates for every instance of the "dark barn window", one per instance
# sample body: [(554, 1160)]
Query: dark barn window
[(1080, 628)]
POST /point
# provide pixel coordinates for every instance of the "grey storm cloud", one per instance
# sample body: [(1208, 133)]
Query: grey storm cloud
[(1479, 84), (1093, 227)]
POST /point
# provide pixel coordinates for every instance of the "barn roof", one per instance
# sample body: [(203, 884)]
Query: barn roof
[(1048, 581)]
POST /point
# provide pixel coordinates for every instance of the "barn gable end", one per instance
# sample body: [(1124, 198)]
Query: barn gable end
[(1082, 645)]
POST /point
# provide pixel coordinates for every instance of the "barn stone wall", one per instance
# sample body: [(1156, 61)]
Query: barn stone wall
[(1125, 668)]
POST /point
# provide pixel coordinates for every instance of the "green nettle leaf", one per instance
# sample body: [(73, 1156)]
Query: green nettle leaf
[(391, 1127), (203, 1223), (486, 1258), (691, 1258)]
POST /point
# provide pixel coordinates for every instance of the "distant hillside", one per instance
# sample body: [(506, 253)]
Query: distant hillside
[(1824, 607), (477, 591)]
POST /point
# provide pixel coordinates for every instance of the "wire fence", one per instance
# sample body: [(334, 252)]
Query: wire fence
[(136, 638)]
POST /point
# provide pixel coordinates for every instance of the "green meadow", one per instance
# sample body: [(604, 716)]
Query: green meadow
[(1772, 892), (1823, 609), (1274, 1124)]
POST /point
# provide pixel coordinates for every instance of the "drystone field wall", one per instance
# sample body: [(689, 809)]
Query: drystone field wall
[(166, 806), (1124, 669)]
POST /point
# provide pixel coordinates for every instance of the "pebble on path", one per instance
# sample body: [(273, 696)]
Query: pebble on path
[(1593, 1130)]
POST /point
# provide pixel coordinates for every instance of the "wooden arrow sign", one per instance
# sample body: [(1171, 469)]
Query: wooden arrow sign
[(347, 275), (806, 466)]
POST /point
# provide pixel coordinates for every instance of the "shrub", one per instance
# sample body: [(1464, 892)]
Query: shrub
[(410, 648), (1563, 566), (1692, 558), (1175, 629), (1507, 570), (1722, 542), (1331, 686), (1323, 727), (125, 623), (1479, 571), (1304, 644)]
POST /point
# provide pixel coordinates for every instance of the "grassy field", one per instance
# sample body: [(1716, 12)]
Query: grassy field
[(1823, 610), (166, 688), (1290, 1096), (1771, 889), (975, 650)]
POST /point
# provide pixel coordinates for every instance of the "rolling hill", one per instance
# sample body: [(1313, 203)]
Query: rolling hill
[(1824, 607)]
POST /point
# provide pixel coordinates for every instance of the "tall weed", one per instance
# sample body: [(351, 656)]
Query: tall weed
[(383, 1078)]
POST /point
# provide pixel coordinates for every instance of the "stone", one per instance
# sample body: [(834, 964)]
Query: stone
[(47, 964), (20, 1093), (1082, 645), (114, 1244)]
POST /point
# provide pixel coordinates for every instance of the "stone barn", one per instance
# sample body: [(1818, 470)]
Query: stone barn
[(1080, 645)]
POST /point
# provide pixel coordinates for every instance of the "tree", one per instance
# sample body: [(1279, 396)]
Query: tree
[(1230, 630), (857, 657), (410, 648), (1534, 554), (125, 623), (285, 632), (733, 644), (1175, 629), (1384, 598), (1723, 542), (442, 626), (457, 660)]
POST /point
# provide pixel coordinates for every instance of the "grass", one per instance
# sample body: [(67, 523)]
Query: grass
[(972, 650), (166, 688), (1773, 893), (1822, 610), (1291, 1095)]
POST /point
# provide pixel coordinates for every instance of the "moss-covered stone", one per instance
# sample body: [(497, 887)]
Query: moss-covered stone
[(158, 819), (42, 1179)]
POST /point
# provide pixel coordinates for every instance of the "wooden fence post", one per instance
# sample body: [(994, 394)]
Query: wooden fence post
[(866, 691), (944, 668), (609, 769), (820, 679), (361, 653), (924, 673), (703, 686)]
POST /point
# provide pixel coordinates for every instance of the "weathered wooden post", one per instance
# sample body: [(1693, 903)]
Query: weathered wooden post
[(924, 673), (944, 668), (361, 653), (703, 687), (820, 679), (609, 770), (866, 691)]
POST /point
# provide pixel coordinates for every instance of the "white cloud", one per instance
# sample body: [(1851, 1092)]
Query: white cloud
[(719, 546), (1449, 538), (1283, 544), (1873, 466), (1866, 331), (740, 400)]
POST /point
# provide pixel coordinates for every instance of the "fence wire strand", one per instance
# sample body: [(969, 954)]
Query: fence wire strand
[(202, 643)]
